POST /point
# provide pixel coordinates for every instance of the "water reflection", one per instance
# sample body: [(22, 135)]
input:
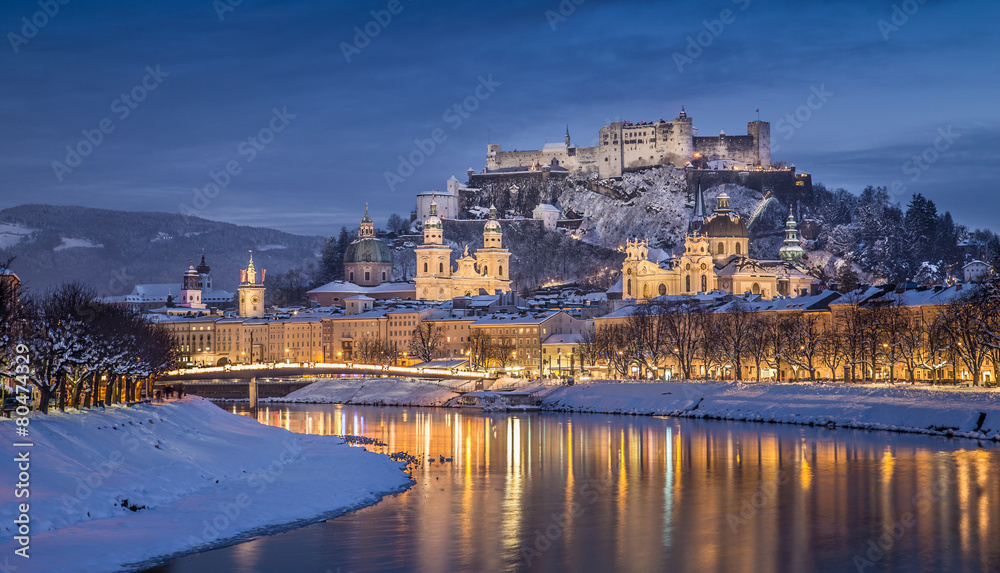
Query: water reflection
[(544, 491)]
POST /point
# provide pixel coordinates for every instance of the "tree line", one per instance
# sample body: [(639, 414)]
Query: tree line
[(82, 352), (863, 340)]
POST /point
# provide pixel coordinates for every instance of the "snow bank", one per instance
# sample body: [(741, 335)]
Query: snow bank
[(382, 391), (926, 410), (196, 476)]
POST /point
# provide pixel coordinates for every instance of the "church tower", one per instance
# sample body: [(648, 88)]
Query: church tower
[(251, 292), (433, 260), (191, 289), (791, 252), (494, 260)]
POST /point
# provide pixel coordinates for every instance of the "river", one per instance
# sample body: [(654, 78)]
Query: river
[(545, 491)]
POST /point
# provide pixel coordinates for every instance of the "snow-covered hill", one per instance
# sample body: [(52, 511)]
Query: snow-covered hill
[(653, 204)]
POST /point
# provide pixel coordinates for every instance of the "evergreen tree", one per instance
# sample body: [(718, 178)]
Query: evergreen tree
[(397, 225), (328, 262), (921, 229), (847, 277), (331, 266), (946, 242)]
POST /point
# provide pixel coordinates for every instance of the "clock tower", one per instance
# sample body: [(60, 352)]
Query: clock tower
[(251, 292)]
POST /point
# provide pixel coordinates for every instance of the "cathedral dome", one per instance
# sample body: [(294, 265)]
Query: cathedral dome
[(723, 222), (367, 250), (724, 225)]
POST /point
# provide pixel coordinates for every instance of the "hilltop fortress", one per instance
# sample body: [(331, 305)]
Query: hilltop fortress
[(624, 146)]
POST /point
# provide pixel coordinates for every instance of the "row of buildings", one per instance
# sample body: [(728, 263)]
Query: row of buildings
[(530, 337)]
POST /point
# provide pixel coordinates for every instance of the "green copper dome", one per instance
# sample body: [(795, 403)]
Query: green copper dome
[(368, 250)]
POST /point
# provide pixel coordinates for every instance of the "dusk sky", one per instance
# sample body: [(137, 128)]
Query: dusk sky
[(894, 76)]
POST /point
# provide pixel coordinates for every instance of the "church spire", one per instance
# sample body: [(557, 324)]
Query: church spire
[(791, 252), (699, 204), (567, 135), (367, 228)]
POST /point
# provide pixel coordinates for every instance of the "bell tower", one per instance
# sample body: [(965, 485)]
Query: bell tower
[(191, 290), (433, 260), (494, 260), (251, 291)]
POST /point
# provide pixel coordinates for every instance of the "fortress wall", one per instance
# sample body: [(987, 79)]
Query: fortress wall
[(738, 147), (783, 184), (534, 187)]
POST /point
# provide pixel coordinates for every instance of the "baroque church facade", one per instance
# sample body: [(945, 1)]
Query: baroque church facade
[(487, 270), (714, 259)]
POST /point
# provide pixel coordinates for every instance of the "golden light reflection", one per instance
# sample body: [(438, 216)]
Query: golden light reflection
[(655, 493)]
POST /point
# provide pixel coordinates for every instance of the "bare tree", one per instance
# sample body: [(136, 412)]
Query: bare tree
[(369, 350), (760, 343), (803, 335), (610, 340), (733, 332), (427, 340), (964, 322), (833, 349), (936, 349), (480, 349), (683, 324), (503, 351), (588, 347)]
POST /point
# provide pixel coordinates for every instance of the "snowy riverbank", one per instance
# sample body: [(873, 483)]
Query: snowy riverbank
[(378, 391), (952, 411), (194, 476)]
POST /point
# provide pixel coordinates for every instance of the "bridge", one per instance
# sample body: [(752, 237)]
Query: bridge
[(280, 379), (296, 369)]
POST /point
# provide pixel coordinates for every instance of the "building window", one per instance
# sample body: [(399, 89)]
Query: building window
[(704, 283), (425, 267), (367, 276), (687, 283), (722, 249), (440, 267), (663, 289), (383, 275), (352, 276), (500, 271), (755, 289), (738, 248), (629, 290)]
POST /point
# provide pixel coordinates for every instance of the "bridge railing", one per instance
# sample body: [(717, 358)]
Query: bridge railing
[(353, 366)]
